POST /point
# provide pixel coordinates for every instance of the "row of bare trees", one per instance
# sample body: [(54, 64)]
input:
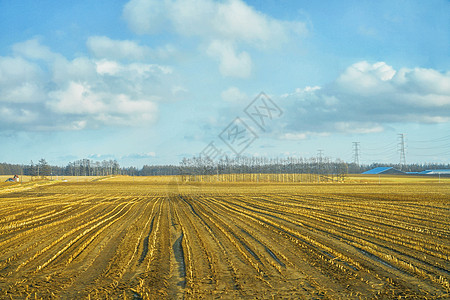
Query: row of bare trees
[(262, 165), (87, 167)]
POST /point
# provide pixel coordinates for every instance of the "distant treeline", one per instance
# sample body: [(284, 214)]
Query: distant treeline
[(204, 166), (83, 167)]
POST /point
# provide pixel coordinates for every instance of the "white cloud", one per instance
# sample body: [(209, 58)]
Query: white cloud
[(14, 70), (191, 17), (379, 82), (424, 81), (33, 49), (233, 95), (20, 81), (178, 89), (366, 98), (297, 136), (77, 98), (140, 155), (308, 89), (78, 69), (27, 92), (232, 20), (143, 69), (294, 136), (43, 90), (358, 127), (231, 63), (17, 116), (364, 78), (107, 67), (77, 125), (104, 107), (224, 26), (145, 16), (104, 47), (141, 110)]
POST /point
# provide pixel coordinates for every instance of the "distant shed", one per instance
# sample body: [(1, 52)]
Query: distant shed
[(436, 172), (384, 171), (13, 179)]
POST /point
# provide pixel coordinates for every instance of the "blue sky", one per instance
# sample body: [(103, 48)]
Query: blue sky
[(149, 82)]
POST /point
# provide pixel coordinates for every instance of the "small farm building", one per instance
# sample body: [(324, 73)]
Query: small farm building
[(13, 179), (383, 171)]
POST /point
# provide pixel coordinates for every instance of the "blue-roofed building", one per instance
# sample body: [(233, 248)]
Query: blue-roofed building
[(383, 171), (436, 172)]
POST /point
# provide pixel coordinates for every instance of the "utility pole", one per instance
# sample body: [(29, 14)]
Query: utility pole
[(356, 153), (319, 155), (319, 164), (401, 150)]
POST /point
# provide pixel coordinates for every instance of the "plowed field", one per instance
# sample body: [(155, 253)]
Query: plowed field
[(146, 239)]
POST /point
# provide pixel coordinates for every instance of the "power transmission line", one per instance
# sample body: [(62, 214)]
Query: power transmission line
[(319, 155), (401, 149), (436, 140), (356, 153)]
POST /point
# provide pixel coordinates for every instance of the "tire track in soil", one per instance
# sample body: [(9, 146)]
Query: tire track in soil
[(133, 268), (303, 277), (251, 274), (265, 247), (177, 279), (145, 243), (153, 283), (228, 278), (310, 287), (203, 263), (294, 283)]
